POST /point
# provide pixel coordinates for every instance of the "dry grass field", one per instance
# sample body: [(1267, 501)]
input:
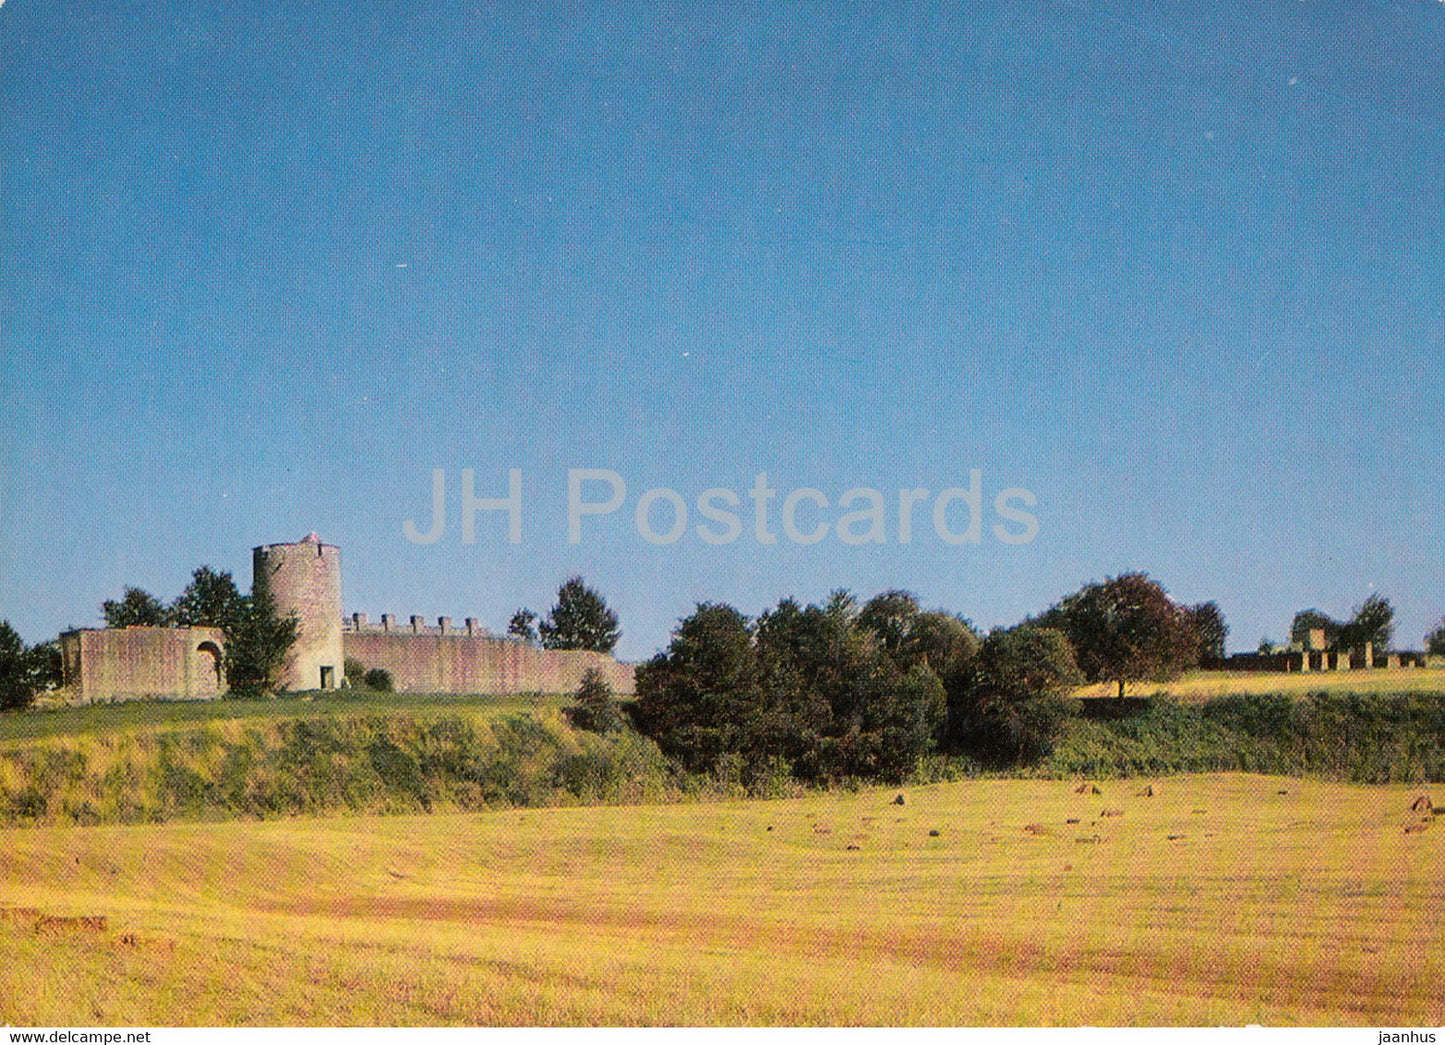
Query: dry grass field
[(1216, 900), (1199, 686)]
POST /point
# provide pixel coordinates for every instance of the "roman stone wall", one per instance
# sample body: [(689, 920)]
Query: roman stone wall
[(109, 664), (438, 661)]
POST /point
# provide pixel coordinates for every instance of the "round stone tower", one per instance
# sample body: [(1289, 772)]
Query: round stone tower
[(305, 579)]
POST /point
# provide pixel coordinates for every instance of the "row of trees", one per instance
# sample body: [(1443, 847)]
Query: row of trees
[(841, 690)]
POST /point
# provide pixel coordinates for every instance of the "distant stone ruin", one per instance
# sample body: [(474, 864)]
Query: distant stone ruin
[(304, 578), (1315, 654)]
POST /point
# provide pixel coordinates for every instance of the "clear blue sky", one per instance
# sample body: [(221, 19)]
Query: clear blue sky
[(1175, 269)]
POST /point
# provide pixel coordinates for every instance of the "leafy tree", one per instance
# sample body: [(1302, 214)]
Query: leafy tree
[(1125, 629), (16, 688), (1210, 631), (1435, 640), (377, 679), (942, 641), (46, 670), (523, 625), (25, 671), (912, 636), (256, 646), (818, 664), (1373, 622), (1015, 697), (890, 616), (1306, 621), (580, 620), (698, 697), (211, 600), (135, 608), (597, 708)]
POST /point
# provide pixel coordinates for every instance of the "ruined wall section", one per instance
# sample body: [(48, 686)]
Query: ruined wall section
[(106, 664), (444, 660), (305, 579)]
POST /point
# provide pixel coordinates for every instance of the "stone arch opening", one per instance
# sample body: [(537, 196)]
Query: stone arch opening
[(209, 675)]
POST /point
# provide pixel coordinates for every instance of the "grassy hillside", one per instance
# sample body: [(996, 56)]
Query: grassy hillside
[(1220, 900), (154, 715), (223, 760), (1364, 738), (271, 766)]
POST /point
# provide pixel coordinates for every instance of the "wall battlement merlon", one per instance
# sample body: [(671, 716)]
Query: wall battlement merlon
[(391, 624)]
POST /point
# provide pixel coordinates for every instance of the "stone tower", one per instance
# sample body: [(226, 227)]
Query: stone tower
[(305, 579)]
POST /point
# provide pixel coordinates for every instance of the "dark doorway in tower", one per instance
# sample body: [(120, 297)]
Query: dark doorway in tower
[(328, 676)]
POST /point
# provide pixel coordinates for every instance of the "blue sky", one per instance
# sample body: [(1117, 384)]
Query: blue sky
[(1176, 270)]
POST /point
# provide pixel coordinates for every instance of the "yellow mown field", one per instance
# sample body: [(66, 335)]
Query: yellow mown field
[(1219, 900), (1202, 685)]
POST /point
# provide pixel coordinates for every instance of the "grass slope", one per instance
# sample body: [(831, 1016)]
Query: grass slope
[(329, 763), (1365, 738), (375, 755), (1226, 899), (157, 716)]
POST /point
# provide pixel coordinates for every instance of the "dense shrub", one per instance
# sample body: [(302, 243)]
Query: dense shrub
[(597, 709), (1011, 702), (377, 680), (25, 671), (824, 691)]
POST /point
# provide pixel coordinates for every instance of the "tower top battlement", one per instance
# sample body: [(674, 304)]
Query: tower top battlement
[(311, 540)]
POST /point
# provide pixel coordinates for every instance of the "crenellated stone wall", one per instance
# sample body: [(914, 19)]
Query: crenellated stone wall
[(441, 659)]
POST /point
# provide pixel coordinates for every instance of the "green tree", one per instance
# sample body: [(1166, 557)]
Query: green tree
[(913, 636), (821, 671), (699, 698), (1373, 622), (597, 709), (942, 641), (45, 666), (25, 671), (814, 690), (523, 625), (1015, 697), (580, 620), (1435, 639), (211, 600), (890, 616), (1125, 629), (17, 688), (135, 607), (256, 646), (1210, 631)]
